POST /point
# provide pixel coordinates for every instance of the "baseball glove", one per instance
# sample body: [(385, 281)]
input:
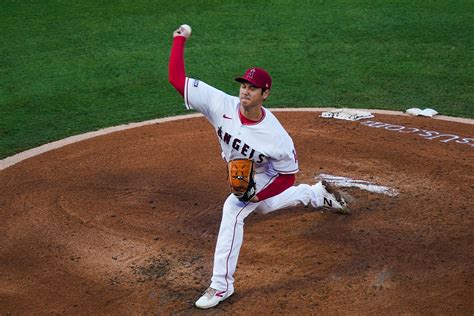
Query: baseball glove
[(241, 178)]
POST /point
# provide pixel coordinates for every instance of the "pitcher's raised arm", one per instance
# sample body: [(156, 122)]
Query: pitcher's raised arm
[(176, 70)]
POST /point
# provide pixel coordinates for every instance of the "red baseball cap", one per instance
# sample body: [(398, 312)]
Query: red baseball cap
[(257, 77)]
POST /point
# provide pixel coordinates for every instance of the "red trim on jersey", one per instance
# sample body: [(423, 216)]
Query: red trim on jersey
[(246, 121), (176, 70), (280, 184)]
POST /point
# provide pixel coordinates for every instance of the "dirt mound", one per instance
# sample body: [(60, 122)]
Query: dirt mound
[(118, 224)]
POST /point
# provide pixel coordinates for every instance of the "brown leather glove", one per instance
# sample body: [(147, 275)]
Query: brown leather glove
[(241, 174)]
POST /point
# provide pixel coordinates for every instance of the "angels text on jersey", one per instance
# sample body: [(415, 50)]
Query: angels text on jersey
[(240, 146)]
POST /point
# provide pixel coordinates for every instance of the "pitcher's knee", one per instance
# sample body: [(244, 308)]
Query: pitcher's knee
[(232, 205), (235, 209), (265, 207)]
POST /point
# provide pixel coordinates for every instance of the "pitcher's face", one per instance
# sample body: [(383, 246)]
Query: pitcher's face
[(251, 96)]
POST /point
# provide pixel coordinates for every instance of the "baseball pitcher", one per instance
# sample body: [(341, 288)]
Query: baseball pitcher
[(260, 156)]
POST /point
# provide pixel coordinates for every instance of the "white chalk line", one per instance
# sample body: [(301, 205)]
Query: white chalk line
[(12, 160), (360, 184)]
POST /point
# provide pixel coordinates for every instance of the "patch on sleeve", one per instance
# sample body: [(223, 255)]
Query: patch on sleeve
[(196, 83)]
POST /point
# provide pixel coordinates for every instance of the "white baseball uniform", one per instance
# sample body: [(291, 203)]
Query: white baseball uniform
[(271, 148)]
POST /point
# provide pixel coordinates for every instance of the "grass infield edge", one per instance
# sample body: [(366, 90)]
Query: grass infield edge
[(12, 160)]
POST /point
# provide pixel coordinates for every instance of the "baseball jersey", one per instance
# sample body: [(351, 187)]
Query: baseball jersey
[(266, 142)]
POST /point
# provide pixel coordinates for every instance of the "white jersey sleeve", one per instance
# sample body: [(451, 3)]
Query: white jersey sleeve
[(285, 161), (205, 99)]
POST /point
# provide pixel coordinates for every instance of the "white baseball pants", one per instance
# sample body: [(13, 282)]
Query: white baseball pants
[(231, 231)]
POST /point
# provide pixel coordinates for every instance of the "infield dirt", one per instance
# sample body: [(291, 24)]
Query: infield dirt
[(126, 223)]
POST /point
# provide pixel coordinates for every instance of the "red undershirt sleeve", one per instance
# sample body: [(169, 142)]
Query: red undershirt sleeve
[(176, 70), (280, 184)]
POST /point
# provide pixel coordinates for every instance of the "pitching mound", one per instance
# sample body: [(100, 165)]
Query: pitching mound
[(126, 223)]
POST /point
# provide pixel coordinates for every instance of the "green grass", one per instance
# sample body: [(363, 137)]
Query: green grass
[(70, 67)]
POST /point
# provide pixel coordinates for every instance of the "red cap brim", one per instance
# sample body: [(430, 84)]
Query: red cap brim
[(245, 80)]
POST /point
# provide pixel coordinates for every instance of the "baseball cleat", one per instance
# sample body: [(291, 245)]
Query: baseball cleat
[(327, 196), (211, 298)]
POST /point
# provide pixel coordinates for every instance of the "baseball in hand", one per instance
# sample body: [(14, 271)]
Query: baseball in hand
[(184, 30)]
